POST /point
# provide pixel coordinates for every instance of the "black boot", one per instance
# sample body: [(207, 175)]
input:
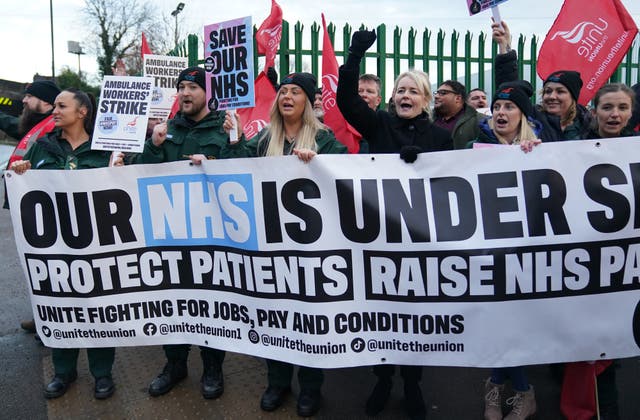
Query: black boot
[(172, 373), (273, 397), (379, 396), (414, 403), (59, 384), (104, 388), (212, 381), (308, 402)]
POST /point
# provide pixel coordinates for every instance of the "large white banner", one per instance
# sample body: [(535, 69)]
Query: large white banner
[(488, 257)]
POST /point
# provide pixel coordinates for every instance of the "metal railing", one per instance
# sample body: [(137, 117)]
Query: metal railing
[(444, 57)]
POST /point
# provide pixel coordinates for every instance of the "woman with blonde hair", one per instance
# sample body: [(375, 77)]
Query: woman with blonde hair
[(293, 130), (293, 126), (511, 123), (408, 131)]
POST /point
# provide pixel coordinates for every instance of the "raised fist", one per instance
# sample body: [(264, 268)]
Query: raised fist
[(361, 41)]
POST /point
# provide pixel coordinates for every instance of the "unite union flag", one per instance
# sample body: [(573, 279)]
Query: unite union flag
[(333, 118), (591, 40), (269, 34), (268, 40)]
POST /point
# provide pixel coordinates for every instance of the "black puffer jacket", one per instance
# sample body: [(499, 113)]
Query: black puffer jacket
[(385, 132)]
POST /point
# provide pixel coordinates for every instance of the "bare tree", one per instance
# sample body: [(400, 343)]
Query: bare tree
[(116, 26)]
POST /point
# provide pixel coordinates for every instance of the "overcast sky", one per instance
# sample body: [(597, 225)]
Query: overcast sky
[(26, 32)]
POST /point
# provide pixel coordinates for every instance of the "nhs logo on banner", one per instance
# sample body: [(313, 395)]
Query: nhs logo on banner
[(199, 210)]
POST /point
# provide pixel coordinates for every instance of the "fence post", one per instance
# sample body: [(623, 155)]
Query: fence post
[(454, 55), (440, 56), (315, 52), (412, 48), (397, 34), (381, 58), (467, 62), (298, 46), (193, 42), (482, 60), (426, 46), (283, 51)]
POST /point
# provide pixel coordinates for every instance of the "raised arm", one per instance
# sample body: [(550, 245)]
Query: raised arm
[(506, 62), (354, 109)]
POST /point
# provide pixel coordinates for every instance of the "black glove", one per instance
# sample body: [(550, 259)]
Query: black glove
[(410, 153), (272, 75), (360, 42)]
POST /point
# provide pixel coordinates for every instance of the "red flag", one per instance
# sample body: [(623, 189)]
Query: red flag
[(269, 33), (256, 118), (592, 40), (144, 49), (174, 108), (578, 395), (43, 127), (332, 116)]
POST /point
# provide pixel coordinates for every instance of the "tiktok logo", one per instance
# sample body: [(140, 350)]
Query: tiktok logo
[(357, 345)]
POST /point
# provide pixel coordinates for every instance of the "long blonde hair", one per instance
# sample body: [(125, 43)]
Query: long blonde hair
[(275, 134), (526, 131)]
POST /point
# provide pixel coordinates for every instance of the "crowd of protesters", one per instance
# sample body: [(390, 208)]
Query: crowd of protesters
[(420, 121)]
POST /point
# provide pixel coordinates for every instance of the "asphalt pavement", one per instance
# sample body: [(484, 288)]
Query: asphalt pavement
[(25, 366)]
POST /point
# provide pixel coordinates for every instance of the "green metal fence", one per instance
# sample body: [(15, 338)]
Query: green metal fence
[(468, 60)]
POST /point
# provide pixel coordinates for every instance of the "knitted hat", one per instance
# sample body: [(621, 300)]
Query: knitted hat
[(569, 78), (43, 89), (306, 81), (519, 92), (192, 74)]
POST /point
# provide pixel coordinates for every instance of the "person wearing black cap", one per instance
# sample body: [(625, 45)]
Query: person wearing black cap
[(293, 129), (511, 119), (37, 104), (194, 134), (511, 123), (563, 118), (408, 131), (34, 122)]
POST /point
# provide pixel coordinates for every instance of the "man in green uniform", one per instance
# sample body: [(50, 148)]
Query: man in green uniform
[(194, 131)]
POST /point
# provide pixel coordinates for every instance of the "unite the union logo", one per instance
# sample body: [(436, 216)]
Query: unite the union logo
[(587, 36)]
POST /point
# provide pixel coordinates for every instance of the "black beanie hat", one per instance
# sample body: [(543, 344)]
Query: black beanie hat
[(192, 74), (306, 81), (570, 79), (43, 89), (519, 92)]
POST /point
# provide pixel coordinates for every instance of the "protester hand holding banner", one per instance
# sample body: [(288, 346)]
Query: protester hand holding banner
[(591, 40), (122, 113), (347, 260)]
